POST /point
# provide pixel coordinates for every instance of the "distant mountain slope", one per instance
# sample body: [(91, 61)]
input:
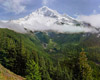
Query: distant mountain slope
[(8, 75)]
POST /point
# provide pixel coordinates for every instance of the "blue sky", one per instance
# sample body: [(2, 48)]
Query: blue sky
[(14, 9)]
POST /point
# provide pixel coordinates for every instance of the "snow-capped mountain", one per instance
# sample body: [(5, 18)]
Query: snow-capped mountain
[(45, 19)]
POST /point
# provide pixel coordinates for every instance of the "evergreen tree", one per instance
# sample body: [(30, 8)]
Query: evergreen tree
[(58, 73), (21, 48), (35, 56), (67, 75), (50, 68), (32, 71), (43, 69), (85, 71), (21, 58)]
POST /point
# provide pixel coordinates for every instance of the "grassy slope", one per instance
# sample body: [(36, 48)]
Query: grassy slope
[(7, 75)]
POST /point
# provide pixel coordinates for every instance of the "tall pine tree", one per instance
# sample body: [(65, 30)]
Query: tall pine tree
[(32, 71), (85, 71)]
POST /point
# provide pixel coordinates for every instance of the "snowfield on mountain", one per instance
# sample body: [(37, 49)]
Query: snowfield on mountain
[(46, 19)]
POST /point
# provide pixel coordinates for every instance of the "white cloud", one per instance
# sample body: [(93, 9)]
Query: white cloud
[(94, 11), (47, 2), (61, 29), (93, 19), (76, 15), (12, 26), (99, 6), (43, 28), (15, 6), (1, 1)]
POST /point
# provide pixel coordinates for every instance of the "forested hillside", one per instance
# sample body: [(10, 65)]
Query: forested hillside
[(51, 56)]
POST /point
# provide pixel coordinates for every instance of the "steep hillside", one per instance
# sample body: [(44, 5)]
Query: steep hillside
[(30, 41), (8, 75)]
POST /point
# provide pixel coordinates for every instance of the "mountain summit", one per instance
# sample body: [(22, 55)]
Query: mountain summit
[(44, 19), (47, 16), (47, 12)]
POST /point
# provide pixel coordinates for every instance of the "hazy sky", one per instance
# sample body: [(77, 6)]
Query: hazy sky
[(14, 9)]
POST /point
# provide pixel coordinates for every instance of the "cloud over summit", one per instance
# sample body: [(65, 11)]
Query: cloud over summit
[(47, 2), (92, 19)]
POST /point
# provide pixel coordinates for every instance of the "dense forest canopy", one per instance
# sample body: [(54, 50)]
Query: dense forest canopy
[(51, 56)]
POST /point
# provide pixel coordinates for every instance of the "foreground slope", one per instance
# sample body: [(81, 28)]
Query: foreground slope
[(8, 75)]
